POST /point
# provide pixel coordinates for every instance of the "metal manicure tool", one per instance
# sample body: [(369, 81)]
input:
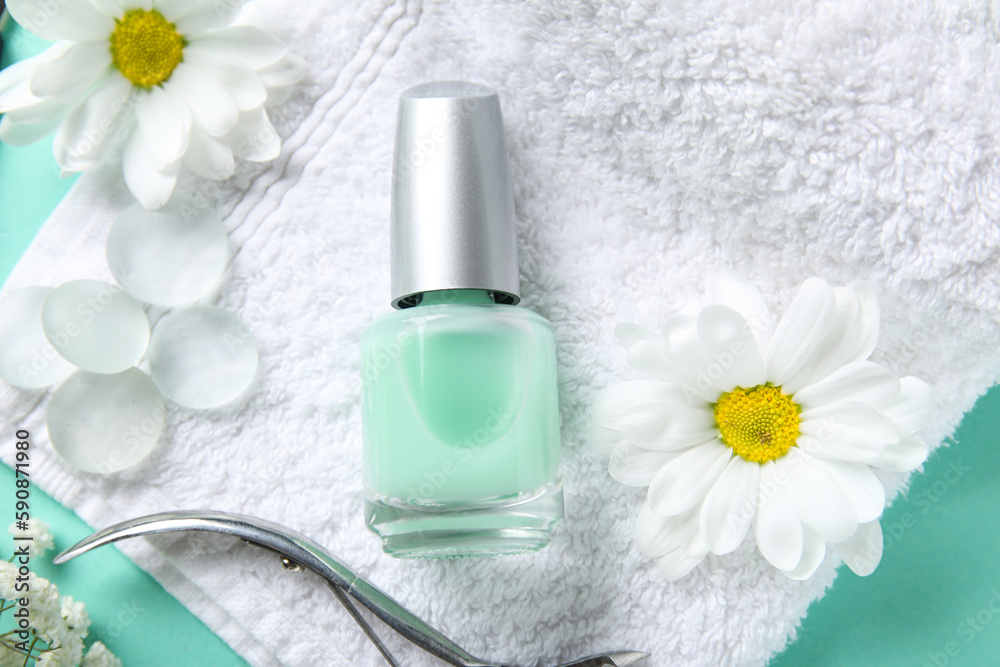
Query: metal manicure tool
[(297, 552)]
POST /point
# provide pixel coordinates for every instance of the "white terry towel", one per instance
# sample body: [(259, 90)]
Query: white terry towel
[(648, 141)]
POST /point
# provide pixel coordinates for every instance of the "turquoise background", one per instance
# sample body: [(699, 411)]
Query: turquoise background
[(939, 573)]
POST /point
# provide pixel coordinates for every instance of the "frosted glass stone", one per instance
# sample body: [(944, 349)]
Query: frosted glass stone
[(105, 423), (27, 359), (96, 326), (170, 257), (202, 357)]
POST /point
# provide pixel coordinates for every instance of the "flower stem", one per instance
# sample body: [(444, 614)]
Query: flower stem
[(30, 649)]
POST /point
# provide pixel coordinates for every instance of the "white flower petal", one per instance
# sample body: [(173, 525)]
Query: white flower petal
[(151, 186), (677, 564), (92, 126), (860, 486), (777, 527), (801, 332), (855, 431), (813, 552), (667, 425), (110, 7), (75, 20), (862, 551), (860, 381), (165, 125), (867, 324), (698, 547), (66, 78), (212, 108), (209, 157), (611, 404), (635, 466), (683, 482), (728, 288), (243, 44), (680, 333), (840, 341), (656, 535), (730, 506), (818, 500), (912, 407), (15, 90), (135, 4), (851, 335), (728, 340), (42, 111), (173, 9), (628, 334), (702, 376), (207, 16), (16, 96), (277, 95), (253, 138), (866, 452), (236, 79), (27, 125), (903, 456), (652, 356), (281, 77)]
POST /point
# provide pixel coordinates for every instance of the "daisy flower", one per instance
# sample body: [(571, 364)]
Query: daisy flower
[(170, 79), (747, 424)]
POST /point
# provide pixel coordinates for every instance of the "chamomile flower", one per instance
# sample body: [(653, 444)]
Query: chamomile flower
[(171, 80), (771, 427)]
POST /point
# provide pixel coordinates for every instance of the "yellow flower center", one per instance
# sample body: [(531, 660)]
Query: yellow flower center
[(145, 47), (759, 424)]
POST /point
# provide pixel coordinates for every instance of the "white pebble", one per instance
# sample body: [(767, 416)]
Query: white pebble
[(27, 359), (202, 357), (96, 326), (105, 423), (170, 257)]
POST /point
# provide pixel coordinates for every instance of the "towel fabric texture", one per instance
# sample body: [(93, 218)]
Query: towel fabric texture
[(648, 141)]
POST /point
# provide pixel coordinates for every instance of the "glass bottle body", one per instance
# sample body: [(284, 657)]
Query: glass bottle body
[(461, 428)]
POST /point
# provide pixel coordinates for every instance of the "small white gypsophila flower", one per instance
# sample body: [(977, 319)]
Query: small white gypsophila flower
[(52, 658), (41, 540), (777, 428), (8, 580), (45, 611), (61, 656), (99, 656), (171, 79), (45, 608), (74, 614), (66, 646)]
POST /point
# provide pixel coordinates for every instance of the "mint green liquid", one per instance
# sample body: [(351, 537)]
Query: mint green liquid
[(461, 428)]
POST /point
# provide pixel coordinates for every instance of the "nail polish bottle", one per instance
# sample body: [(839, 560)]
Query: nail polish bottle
[(460, 396)]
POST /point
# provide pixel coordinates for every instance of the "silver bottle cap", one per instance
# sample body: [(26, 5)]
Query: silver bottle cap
[(452, 205)]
